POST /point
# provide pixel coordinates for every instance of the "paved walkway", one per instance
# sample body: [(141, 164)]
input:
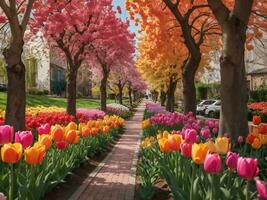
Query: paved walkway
[(116, 178)]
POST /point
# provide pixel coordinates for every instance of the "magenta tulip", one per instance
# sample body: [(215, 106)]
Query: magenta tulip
[(25, 138), (186, 150), (261, 188), (190, 136), (2, 196), (212, 164), (215, 131), (205, 132), (6, 134), (247, 168), (231, 160), (44, 129)]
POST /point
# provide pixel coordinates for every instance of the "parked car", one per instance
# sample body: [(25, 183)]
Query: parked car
[(203, 105), (213, 110)]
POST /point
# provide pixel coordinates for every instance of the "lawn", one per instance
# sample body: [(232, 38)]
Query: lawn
[(36, 100)]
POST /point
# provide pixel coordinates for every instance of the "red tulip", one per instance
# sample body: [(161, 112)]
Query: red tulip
[(262, 189), (212, 164), (62, 145), (256, 120), (247, 168), (186, 150)]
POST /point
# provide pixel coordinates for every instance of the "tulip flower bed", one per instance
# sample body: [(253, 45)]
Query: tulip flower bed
[(260, 109), (119, 110), (198, 164), (152, 109), (31, 167)]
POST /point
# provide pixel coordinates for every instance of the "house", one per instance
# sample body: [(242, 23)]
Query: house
[(257, 78)]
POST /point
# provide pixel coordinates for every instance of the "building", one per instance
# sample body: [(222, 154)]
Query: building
[(257, 78)]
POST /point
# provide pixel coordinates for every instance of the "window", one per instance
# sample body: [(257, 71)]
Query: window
[(218, 103), (208, 102)]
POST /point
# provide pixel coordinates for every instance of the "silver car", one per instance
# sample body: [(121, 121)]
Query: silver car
[(213, 110), (203, 105)]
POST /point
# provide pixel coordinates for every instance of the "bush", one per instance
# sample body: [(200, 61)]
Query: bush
[(36, 91), (258, 95), (202, 92)]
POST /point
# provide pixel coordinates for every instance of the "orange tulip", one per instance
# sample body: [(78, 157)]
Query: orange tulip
[(256, 143), (85, 131), (199, 152), (175, 141), (71, 136), (81, 126), (105, 129), (77, 139), (57, 133), (11, 153), (256, 120), (164, 145), (35, 155), (71, 126), (46, 140)]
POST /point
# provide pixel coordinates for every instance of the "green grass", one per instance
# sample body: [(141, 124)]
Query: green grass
[(36, 100)]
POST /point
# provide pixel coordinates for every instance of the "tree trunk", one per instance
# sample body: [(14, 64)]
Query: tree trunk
[(171, 95), (162, 97), (103, 88), (189, 89), (120, 88), (233, 118), (130, 96), (16, 94), (71, 89)]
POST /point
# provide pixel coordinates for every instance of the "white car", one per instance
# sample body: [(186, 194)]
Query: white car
[(213, 110), (203, 105)]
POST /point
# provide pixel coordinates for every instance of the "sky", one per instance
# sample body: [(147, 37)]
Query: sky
[(124, 14)]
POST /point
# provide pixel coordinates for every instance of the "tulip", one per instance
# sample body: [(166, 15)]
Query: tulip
[(256, 120), (262, 189), (25, 138), (175, 141), (2, 196), (205, 132), (57, 133), (240, 139), (11, 153), (44, 129), (263, 128), (215, 131), (231, 160), (6, 134), (247, 168), (256, 143), (211, 146), (186, 150), (222, 145), (71, 126), (199, 152), (77, 139), (250, 138), (35, 155), (212, 164), (72, 136), (164, 145), (62, 145), (46, 140), (190, 136)]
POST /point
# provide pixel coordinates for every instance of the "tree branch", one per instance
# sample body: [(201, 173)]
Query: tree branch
[(27, 15), (220, 11)]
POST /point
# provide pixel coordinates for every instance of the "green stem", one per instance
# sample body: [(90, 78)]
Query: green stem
[(192, 182), (212, 196), (247, 190), (11, 183)]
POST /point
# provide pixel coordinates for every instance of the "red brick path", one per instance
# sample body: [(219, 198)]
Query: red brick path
[(116, 179)]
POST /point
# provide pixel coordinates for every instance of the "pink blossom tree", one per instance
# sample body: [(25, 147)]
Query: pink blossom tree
[(15, 15), (74, 27)]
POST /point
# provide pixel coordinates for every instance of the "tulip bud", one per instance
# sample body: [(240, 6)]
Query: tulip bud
[(25, 138), (35, 154), (46, 140), (262, 189), (2, 196), (186, 150), (6, 134), (205, 132), (57, 133), (222, 145), (247, 168), (11, 153), (44, 129), (199, 152), (212, 164), (256, 120), (231, 160), (191, 136)]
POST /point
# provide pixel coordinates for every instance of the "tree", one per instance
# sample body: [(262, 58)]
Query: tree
[(15, 15), (114, 49), (193, 22), (234, 18), (72, 27)]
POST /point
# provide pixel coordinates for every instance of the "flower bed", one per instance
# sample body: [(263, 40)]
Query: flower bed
[(258, 108), (30, 167), (197, 164), (119, 110), (152, 109)]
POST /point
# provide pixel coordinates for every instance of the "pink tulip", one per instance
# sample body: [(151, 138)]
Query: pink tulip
[(186, 150), (190, 136), (6, 134), (44, 129), (261, 188), (199, 122), (205, 132), (247, 168), (2, 196), (231, 160), (25, 138), (211, 124), (240, 139), (212, 164), (215, 131)]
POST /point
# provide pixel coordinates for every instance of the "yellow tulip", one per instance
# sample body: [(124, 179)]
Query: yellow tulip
[(211, 146), (199, 152), (222, 145), (11, 153)]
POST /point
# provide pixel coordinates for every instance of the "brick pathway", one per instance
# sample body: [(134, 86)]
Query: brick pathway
[(116, 178)]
